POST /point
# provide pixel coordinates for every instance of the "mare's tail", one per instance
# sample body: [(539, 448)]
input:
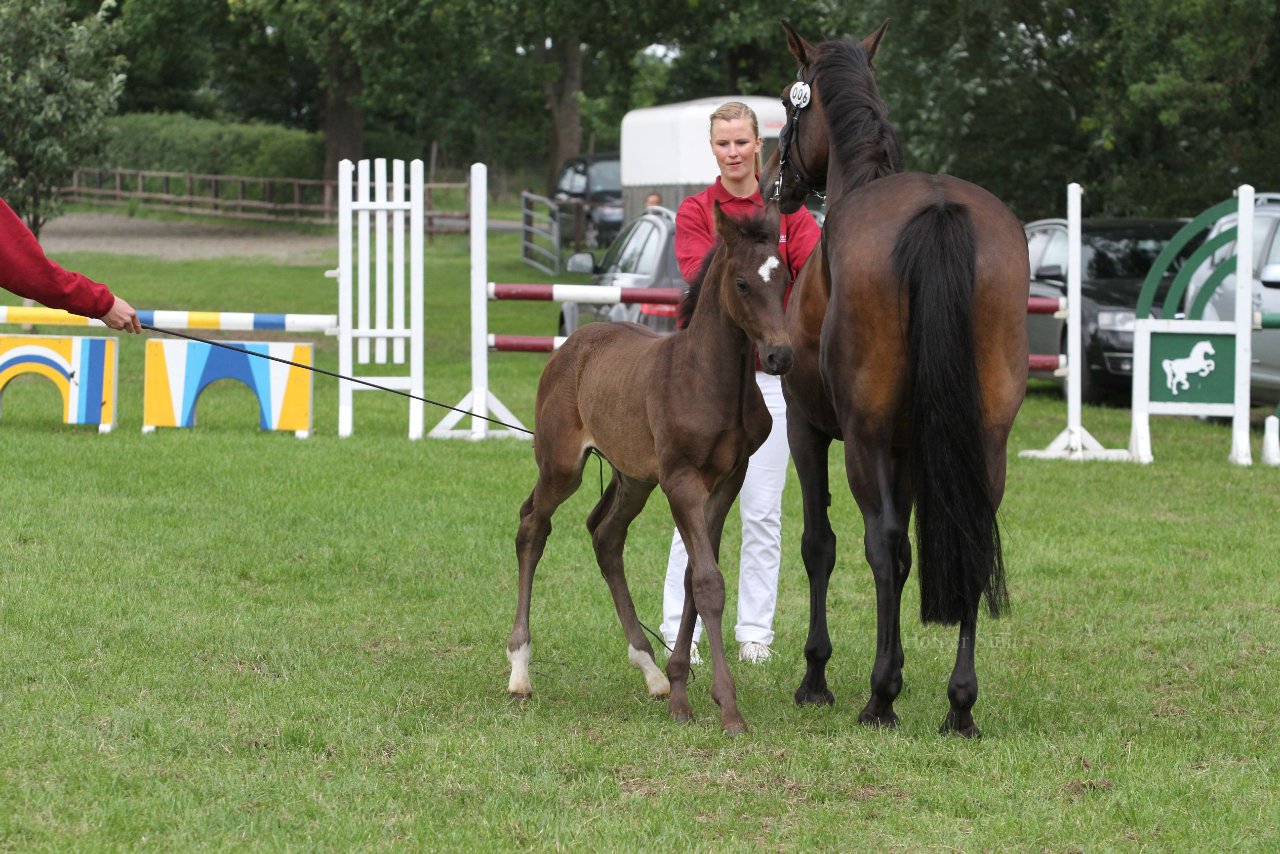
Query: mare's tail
[(957, 538)]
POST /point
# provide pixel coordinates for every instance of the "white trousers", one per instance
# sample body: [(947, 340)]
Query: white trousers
[(760, 505)]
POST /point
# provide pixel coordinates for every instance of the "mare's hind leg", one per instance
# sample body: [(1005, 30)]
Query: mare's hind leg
[(879, 483), (962, 688), (557, 480), (809, 448), (608, 523)]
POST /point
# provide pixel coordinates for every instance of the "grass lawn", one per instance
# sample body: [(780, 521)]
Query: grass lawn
[(218, 638)]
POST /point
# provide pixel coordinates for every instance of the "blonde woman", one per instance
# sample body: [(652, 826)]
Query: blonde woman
[(736, 145)]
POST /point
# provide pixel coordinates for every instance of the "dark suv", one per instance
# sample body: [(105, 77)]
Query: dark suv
[(589, 192), (1116, 255), (643, 256)]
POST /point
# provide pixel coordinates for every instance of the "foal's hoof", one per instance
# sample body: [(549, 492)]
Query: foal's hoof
[(680, 712), (520, 695), (950, 726), (736, 729), (806, 696)]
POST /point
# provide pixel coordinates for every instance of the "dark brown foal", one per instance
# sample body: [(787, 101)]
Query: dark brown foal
[(682, 412)]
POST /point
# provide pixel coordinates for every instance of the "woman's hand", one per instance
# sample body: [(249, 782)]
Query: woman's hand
[(122, 316)]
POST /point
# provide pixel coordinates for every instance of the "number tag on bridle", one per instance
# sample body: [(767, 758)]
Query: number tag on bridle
[(800, 95)]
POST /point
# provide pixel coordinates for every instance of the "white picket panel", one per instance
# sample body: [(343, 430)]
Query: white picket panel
[(372, 266)]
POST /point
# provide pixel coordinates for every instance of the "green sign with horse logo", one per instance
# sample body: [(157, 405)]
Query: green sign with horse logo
[(1192, 368)]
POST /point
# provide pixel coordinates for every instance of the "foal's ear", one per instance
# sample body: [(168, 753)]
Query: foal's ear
[(800, 49), (725, 226), (872, 42), (772, 216)]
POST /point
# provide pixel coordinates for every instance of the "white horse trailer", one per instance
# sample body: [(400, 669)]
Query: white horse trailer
[(667, 149)]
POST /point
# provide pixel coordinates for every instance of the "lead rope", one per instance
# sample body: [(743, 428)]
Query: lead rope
[(599, 456)]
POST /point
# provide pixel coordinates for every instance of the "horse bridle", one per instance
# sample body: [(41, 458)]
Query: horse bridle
[(800, 96)]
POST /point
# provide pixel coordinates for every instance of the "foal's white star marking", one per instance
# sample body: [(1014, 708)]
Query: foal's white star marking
[(767, 268)]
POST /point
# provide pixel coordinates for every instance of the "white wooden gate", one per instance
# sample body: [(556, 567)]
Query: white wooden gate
[(373, 308)]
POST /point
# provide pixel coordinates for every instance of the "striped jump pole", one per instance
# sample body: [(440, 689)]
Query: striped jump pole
[(590, 294), (1055, 363), (1056, 306), (221, 321), (525, 343)]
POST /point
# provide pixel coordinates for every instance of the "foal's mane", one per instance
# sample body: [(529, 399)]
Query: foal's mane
[(753, 230), (860, 134)]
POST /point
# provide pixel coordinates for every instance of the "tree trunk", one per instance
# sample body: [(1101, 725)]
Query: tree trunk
[(33, 216), (561, 96), (343, 117)]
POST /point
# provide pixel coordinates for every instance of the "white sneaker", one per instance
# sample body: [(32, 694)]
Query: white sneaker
[(755, 652), (694, 657)]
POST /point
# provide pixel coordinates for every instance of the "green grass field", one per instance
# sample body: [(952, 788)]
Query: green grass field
[(222, 639)]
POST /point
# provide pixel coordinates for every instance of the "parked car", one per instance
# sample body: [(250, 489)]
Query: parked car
[(1265, 383), (643, 256), (1116, 255), (590, 184)]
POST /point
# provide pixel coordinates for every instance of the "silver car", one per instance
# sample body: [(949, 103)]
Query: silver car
[(1265, 382), (643, 256)]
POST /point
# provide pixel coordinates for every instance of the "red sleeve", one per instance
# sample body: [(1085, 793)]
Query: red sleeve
[(803, 234), (26, 271), (695, 235)]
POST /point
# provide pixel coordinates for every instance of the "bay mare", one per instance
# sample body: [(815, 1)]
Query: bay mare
[(682, 412), (909, 329)]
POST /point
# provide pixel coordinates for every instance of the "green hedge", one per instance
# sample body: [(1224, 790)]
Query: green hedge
[(176, 142)]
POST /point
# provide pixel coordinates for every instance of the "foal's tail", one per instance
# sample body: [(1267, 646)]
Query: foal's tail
[(957, 538)]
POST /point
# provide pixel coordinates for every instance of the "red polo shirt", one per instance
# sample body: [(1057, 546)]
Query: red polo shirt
[(26, 271), (696, 229)]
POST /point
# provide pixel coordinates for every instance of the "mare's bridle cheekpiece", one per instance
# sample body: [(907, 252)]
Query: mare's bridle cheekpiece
[(800, 96)]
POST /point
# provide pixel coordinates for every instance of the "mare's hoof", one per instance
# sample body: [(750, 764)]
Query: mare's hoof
[(681, 717), (806, 696), (950, 727), (885, 721), (736, 729)]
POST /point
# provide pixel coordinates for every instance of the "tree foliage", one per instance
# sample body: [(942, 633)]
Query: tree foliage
[(1155, 106), (59, 80)]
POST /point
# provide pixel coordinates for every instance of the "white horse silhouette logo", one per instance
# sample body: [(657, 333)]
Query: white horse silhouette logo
[(1176, 371)]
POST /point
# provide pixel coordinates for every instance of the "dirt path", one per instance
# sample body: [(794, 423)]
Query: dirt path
[(177, 241)]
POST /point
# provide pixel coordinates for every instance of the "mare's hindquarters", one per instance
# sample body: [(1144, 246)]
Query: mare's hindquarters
[(964, 268), (957, 539)]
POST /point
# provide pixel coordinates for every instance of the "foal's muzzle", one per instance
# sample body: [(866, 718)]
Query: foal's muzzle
[(777, 360)]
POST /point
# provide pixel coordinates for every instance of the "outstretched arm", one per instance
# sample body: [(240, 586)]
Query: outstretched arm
[(27, 272)]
